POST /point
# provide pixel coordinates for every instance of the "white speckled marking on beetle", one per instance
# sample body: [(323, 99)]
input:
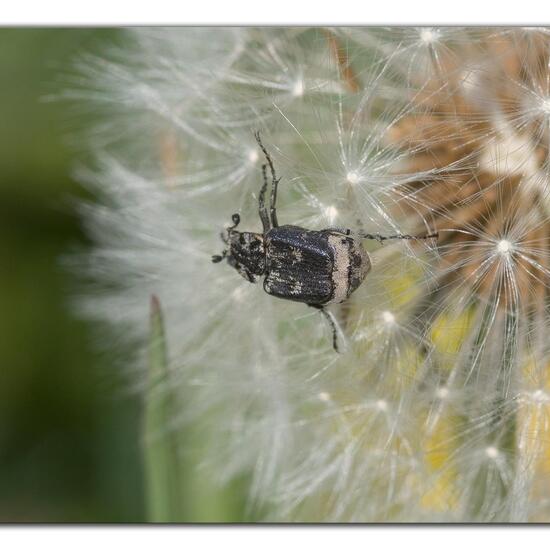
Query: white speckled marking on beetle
[(297, 288), (296, 254), (340, 269)]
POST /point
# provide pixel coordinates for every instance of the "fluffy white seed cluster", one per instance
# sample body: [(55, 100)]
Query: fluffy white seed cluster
[(439, 410)]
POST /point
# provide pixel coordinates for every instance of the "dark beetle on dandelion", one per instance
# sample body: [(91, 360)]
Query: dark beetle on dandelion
[(317, 268)]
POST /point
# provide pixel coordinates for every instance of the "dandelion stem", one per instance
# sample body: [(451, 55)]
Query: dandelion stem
[(160, 444)]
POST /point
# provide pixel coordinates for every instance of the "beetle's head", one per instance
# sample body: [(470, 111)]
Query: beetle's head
[(245, 252)]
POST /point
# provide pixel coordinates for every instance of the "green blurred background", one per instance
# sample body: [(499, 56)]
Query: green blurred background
[(70, 448)]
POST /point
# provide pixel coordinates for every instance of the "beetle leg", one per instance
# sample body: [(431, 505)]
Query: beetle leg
[(273, 208), (332, 324), (261, 202), (217, 258), (380, 238), (274, 182), (236, 219), (342, 230), (372, 236)]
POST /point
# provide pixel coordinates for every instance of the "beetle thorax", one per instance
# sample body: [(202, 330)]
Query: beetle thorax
[(247, 254)]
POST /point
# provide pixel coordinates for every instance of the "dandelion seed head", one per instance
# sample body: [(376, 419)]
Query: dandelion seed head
[(388, 317), (504, 247), (492, 452), (457, 143), (253, 156), (442, 393), (352, 177), (429, 35)]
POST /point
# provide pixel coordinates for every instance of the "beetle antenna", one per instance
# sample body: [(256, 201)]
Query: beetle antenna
[(261, 202)]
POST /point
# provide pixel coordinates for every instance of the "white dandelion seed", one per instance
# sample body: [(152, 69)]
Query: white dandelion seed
[(504, 247), (352, 177), (442, 393), (428, 35), (492, 452), (388, 317)]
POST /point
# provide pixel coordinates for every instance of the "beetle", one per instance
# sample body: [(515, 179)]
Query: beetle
[(317, 268)]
